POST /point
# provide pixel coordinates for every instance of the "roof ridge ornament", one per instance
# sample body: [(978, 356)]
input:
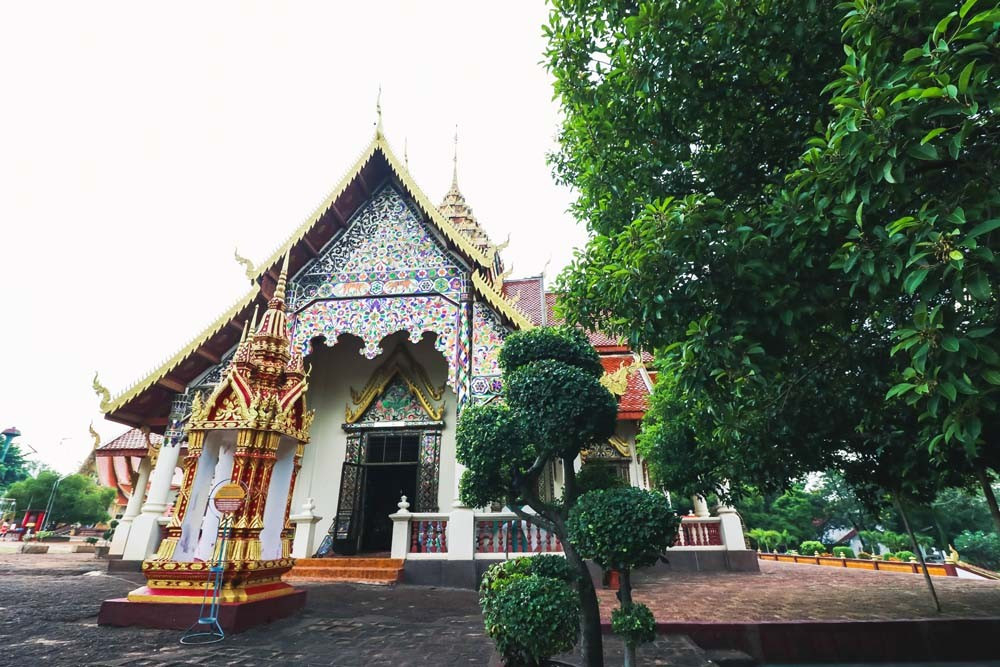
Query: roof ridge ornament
[(454, 162), (247, 265)]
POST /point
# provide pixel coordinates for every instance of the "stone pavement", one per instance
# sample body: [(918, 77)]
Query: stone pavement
[(790, 591), (49, 604)]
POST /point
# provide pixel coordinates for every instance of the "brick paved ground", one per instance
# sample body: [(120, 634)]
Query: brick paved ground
[(49, 603), (790, 591)]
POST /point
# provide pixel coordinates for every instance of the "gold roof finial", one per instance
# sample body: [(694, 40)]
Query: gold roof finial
[(378, 112), (406, 152), (246, 263), (454, 162)]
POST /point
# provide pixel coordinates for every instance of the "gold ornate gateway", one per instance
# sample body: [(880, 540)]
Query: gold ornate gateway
[(251, 432)]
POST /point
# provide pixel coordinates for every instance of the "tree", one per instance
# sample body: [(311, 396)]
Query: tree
[(623, 529), (14, 468), (979, 548), (808, 307), (902, 187), (553, 407), (77, 499)]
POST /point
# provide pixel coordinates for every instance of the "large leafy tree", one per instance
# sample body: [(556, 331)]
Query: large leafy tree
[(553, 407), (775, 294), (78, 499)]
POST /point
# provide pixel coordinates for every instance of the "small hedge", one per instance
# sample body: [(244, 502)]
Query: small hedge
[(846, 552), (905, 556), (811, 548), (530, 609), (634, 623), (864, 555), (532, 618)]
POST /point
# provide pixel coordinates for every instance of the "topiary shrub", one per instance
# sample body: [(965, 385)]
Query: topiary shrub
[(622, 529), (634, 623), (811, 548), (846, 552), (905, 555), (531, 618)]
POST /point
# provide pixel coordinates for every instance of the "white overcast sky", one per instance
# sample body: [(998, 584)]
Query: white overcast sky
[(140, 143)]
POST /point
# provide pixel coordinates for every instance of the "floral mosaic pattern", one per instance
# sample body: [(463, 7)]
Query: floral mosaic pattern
[(373, 319), (429, 471), (488, 335), (385, 250), (396, 404)]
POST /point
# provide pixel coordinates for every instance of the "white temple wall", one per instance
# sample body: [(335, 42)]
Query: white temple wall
[(334, 371)]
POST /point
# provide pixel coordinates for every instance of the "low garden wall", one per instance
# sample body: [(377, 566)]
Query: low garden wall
[(936, 569)]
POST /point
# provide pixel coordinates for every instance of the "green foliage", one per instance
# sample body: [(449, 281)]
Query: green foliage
[(634, 623), (91, 540), (979, 548), (110, 532), (853, 258), (77, 500), (846, 552), (864, 555), (905, 555), (543, 565), (622, 529), (811, 548), (793, 516), (598, 476), (568, 407), (553, 405), (491, 443), (14, 467), (530, 618), (564, 344)]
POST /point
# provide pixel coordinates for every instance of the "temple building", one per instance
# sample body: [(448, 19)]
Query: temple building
[(399, 309)]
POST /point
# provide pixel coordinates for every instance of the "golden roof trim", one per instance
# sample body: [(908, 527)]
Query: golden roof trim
[(500, 302), (378, 142), (156, 374), (401, 363)]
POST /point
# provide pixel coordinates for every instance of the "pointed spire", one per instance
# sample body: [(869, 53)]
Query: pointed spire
[(279, 290), (253, 320), (378, 112), (454, 161), (406, 152)]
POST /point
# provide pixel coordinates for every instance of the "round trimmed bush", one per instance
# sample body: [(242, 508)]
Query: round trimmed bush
[(568, 345), (846, 552), (905, 556), (634, 623), (531, 618), (811, 548)]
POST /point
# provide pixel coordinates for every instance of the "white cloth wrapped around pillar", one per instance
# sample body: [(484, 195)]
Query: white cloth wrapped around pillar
[(132, 510)]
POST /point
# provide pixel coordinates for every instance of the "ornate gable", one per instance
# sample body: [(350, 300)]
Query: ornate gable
[(399, 391), (386, 250)]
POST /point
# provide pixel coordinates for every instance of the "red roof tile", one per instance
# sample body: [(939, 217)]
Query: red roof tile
[(132, 442), (596, 338), (635, 401), (527, 296)]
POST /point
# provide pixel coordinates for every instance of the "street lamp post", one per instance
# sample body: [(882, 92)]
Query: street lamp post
[(52, 496)]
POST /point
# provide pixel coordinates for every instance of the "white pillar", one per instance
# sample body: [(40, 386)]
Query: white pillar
[(401, 530), (144, 537), (131, 510), (700, 506), (304, 543), (732, 529)]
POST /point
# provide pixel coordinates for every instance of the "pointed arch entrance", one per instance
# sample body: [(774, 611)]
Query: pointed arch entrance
[(393, 449)]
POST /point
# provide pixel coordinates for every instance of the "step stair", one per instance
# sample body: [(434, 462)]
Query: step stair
[(362, 570)]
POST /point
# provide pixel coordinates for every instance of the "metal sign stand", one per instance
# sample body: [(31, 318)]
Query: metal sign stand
[(228, 500)]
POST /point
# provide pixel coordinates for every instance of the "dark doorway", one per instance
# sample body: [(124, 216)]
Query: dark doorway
[(384, 484)]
